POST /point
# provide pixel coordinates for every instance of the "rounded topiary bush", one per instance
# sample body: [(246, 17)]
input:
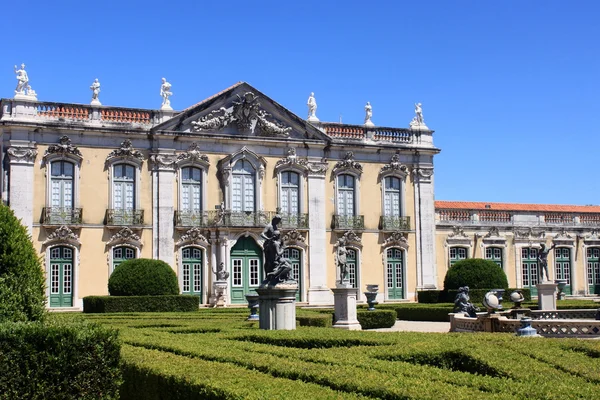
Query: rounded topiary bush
[(476, 273), (143, 277), (22, 286)]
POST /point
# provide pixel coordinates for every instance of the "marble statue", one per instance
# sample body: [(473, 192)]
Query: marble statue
[(165, 93), (342, 262), (95, 88), (542, 258), (462, 303), (418, 122), (23, 87), (221, 273), (312, 107), (368, 114)]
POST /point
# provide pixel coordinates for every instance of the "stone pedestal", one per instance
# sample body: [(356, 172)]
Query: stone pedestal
[(546, 296), (277, 307), (345, 308), (219, 294)]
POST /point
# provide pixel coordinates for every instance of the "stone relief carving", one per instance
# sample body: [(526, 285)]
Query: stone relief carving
[(293, 237), (62, 234), (316, 168), (396, 239), (63, 148), (563, 234), (193, 236), (352, 238), (21, 154), (291, 160), (493, 232), (193, 154), (423, 174), (125, 151), (457, 232), (348, 163), (245, 113), (163, 161), (529, 233), (394, 167), (125, 235)]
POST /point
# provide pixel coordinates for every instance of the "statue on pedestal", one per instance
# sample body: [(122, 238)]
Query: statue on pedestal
[(95, 88), (277, 268), (342, 264), (221, 273), (165, 93), (23, 88), (312, 107), (462, 303), (543, 263), (368, 114), (418, 122)]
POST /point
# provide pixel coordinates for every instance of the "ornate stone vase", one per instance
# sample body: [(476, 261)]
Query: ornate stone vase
[(561, 283), (252, 299), (371, 300), (372, 287)]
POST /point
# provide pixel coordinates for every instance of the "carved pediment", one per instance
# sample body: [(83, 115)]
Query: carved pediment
[(125, 236), (126, 152), (348, 164), (63, 235), (351, 239), (242, 110), (396, 239), (394, 168), (193, 236), (63, 149), (458, 236)]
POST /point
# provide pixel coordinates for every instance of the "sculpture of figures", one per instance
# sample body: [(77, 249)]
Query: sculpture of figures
[(22, 80), (221, 273), (462, 303), (95, 88), (312, 107), (165, 93), (418, 122), (268, 233), (368, 114), (543, 263), (342, 261), (277, 268)]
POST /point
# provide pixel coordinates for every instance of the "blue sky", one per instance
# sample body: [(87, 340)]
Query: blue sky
[(509, 87)]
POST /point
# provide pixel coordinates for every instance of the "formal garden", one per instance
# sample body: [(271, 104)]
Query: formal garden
[(191, 353)]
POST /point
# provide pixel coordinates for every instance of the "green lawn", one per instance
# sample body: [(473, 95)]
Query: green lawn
[(217, 354)]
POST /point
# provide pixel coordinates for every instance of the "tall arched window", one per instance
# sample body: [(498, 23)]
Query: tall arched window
[(290, 189), (61, 182), (394, 271), (191, 189), (457, 254), (392, 204), (191, 280), (123, 193), (494, 254), (346, 195), (243, 187), (121, 254), (61, 277)]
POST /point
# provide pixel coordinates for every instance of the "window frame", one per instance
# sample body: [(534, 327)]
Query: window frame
[(300, 187), (225, 171)]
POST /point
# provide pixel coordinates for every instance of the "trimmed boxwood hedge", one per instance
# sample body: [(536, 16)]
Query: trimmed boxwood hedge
[(321, 320), (376, 319), (437, 313), (476, 273), (143, 277), (56, 361), (113, 304)]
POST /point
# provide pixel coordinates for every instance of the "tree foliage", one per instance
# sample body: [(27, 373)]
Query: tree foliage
[(476, 273)]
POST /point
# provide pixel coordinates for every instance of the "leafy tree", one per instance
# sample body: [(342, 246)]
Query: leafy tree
[(476, 273), (143, 277)]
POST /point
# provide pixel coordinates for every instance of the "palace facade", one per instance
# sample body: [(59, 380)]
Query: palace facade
[(97, 185)]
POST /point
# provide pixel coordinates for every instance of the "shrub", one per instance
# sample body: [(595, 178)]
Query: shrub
[(143, 277), (112, 304), (476, 273), (39, 361), (22, 288), (376, 319), (322, 320), (429, 296)]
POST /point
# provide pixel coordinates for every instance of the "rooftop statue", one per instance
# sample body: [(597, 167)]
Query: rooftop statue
[(368, 114), (418, 122), (23, 88), (312, 107), (95, 88), (165, 93)]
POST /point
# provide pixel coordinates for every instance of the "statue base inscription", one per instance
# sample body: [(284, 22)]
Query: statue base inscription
[(546, 296), (345, 308), (277, 306)]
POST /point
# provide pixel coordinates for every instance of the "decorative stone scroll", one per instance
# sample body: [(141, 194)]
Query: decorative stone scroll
[(396, 239), (493, 237), (352, 239), (294, 238), (563, 238), (348, 164), (592, 238), (63, 149), (193, 155), (21, 154), (62, 235), (423, 174), (246, 112), (458, 236), (529, 235), (193, 236), (126, 151), (291, 161), (393, 168), (125, 236), (164, 162)]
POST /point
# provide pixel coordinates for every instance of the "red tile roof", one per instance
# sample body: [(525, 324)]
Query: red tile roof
[(481, 205)]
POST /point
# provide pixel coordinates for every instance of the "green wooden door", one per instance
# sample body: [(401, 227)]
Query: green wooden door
[(246, 269), (61, 277), (191, 280), (295, 258), (529, 269), (593, 270), (562, 266), (351, 264), (394, 271)]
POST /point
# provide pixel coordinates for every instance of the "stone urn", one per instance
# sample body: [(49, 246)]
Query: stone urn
[(252, 299), (560, 284), (371, 295), (372, 287)]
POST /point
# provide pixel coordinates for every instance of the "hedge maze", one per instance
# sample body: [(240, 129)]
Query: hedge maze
[(217, 354)]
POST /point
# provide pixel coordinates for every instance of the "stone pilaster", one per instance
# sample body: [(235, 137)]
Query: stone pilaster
[(318, 292), (163, 206), (21, 158), (425, 228)]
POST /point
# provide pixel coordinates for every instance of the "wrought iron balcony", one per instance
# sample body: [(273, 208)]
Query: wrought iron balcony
[(61, 216), (195, 218), (355, 222), (124, 217), (288, 221), (213, 218), (394, 223)]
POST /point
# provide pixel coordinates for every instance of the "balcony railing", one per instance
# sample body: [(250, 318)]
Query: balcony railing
[(124, 217), (61, 216), (184, 218), (356, 222), (394, 223)]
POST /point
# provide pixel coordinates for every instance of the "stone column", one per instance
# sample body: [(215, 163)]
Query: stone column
[(318, 292), (425, 228), (163, 206), (21, 157)]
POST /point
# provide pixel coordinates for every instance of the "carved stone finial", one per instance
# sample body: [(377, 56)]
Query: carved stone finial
[(193, 155)]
